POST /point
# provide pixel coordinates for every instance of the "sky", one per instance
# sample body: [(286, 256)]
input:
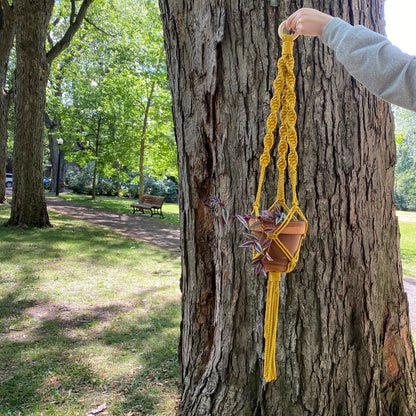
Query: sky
[(400, 16)]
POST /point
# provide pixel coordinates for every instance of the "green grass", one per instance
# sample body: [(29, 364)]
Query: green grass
[(119, 204), (87, 316), (407, 221)]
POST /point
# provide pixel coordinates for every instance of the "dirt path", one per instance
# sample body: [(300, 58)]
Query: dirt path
[(138, 226), (409, 284)]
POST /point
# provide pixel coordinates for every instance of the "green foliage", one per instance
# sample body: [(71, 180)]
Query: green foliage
[(405, 178), (100, 88), (120, 184)]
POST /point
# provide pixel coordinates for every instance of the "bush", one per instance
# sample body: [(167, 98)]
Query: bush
[(162, 187), (80, 181)]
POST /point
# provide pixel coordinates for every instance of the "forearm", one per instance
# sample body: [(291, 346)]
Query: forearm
[(370, 58)]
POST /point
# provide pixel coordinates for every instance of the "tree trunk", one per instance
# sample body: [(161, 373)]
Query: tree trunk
[(343, 343), (32, 71), (4, 117), (63, 166), (143, 140), (52, 125), (6, 35), (96, 152)]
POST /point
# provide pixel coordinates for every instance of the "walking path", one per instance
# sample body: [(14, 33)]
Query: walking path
[(164, 235), (138, 226)]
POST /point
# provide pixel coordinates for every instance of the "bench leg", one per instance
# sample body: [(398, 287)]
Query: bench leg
[(155, 211)]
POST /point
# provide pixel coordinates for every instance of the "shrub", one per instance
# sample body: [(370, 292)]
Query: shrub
[(80, 181)]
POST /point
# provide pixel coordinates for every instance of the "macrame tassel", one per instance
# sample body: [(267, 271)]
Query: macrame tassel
[(270, 326)]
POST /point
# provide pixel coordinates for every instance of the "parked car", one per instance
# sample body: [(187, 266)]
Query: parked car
[(46, 182), (9, 180)]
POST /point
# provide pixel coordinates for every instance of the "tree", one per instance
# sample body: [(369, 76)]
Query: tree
[(405, 181), (343, 343), (114, 82), (7, 29), (32, 72)]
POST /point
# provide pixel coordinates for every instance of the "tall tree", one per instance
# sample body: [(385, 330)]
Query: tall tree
[(7, 30), (32, 72), (343, 343), (405, 179), (115, 83)]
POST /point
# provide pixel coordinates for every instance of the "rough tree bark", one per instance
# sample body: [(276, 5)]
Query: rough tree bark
[(32, 71), (7, 30), (344, 346)]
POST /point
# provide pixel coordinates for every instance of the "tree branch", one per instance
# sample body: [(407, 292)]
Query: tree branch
[(73, 12), (6, 7), (98, 28), (62, 44)]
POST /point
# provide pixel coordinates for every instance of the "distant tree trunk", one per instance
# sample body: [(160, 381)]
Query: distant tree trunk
[(51, 125), (143, 140), (32, 72), (343, 345), (97, 150), (7, 31)]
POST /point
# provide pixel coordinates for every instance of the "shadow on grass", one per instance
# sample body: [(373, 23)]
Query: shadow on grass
[(45, 365), (49, 243), (63, 357)]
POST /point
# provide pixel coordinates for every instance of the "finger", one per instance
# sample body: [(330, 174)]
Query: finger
[(291, 21)]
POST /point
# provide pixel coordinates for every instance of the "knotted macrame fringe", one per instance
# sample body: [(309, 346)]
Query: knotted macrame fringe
[(270, 326)]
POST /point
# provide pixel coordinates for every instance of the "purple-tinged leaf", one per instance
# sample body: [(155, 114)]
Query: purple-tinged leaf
[(243, 221), (259, 268), (266, 243), (225, 215), (258, 247), (280, 218), (255, 225), (268, 257), (269, 229), (248, 244), (277, 211), (266, 215)]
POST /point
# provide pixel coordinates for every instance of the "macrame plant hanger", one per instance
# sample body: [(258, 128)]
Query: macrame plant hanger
[(284, 99)]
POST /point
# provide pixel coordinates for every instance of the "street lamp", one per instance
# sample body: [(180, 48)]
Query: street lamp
[(59, 142)]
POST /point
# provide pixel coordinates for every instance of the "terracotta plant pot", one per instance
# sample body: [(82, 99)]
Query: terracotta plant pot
[(290, 237)]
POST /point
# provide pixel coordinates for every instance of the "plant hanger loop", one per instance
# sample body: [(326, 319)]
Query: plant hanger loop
[(282, 28)]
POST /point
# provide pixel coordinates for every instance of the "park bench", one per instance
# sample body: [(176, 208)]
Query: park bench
[(150, 203)]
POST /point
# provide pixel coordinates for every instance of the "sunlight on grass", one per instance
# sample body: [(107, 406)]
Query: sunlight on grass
[(87, 316), (407, 222), (119, 204)]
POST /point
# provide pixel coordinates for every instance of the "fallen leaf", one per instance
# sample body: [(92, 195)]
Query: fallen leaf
[(97, 410)]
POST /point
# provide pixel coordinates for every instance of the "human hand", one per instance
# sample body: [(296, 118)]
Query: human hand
[(308, 22)]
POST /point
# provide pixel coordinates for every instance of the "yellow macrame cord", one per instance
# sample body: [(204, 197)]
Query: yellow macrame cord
[(284, 99)]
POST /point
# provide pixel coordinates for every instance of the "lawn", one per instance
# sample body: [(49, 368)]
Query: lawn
[(407, 221), (119, 204), (87, 317)]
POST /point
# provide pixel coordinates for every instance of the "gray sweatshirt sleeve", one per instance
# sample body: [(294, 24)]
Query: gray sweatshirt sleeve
[(370, 58)]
